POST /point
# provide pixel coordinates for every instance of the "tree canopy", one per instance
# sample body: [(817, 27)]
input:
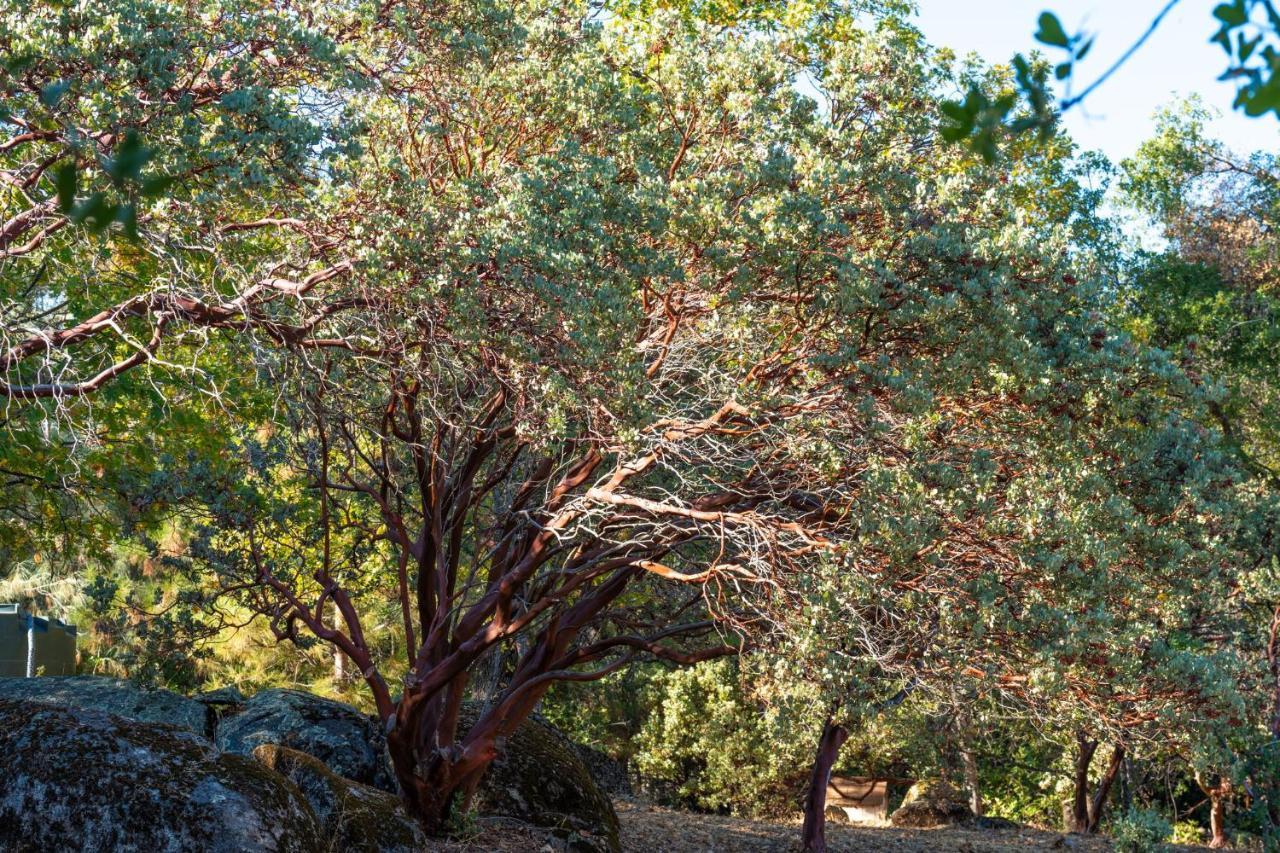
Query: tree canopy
[(507, 346)]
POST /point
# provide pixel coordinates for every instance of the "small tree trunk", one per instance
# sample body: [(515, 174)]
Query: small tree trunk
[(1218, 818), (813, 834), (1217, 795), (432, 780), (971, 781), (431, 764), (340, 672), (1099, 802), (1273, 660), (1080, 804)]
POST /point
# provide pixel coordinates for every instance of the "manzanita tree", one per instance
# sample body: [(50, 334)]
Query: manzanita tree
[(1209, 299), (586, 336), (644, 344), (580, 368)]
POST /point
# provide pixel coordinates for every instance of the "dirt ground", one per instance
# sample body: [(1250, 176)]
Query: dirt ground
[(653, 829)]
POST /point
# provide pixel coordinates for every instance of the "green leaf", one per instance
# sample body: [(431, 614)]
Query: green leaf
[(1231, 14), (1261, 99), (91, 208), (156, 184), (51, 94), (1062, 71), (66, 180), (102, 219), (127, 216), (1246, 47), (1051, 31), (130, 156)]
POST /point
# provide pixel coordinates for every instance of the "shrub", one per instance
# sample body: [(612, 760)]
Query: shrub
[(1187, 832), (1140, 831), (710, 745)]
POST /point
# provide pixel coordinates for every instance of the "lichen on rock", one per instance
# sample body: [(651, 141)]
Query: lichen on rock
[(354, 817), (113, 695), (82, 779), (347, 741)]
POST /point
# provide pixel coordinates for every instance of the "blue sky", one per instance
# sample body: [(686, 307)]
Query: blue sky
[(1177, 60)]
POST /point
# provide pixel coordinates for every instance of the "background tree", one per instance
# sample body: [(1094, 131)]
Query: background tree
[(1209, 299)]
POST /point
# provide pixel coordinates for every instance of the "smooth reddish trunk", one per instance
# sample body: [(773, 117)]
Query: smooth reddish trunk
[(1217, 795), (1273, 660), (813, 834), (1218, 820), (428, 789), (435, 769), (1108, 779), (1086, 811), (438, 769)]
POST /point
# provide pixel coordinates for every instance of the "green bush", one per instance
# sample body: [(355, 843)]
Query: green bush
[(730, 736), (1187, 832), (708, 744), (1140, 831)]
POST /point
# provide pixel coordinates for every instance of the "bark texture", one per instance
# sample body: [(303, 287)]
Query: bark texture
[(813, 833)]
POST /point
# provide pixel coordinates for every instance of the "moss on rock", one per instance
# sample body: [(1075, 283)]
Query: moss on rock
[(82, 779), (538, 778), (354, 817)]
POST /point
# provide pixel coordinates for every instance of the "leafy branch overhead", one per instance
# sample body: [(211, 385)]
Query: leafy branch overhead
[(1248, 31), (1250, 36), (124, 167)]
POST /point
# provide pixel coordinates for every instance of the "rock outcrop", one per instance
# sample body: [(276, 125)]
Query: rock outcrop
[(223, 697), (355, 818), (345, 740), (610, 775), (113, 695), (932, 803), (118, 767), (538, 778), (83, 779)]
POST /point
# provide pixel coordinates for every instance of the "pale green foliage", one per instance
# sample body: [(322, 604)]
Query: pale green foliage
[(1186, 832), (1140, 832), (1210, 300), (710, 743), (156, 120)]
